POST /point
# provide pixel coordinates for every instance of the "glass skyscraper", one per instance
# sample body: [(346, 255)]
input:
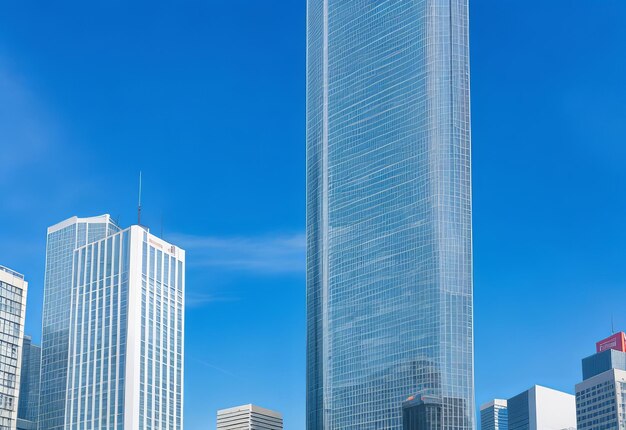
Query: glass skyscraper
[(63, 239), (113, 329), (389, 237)]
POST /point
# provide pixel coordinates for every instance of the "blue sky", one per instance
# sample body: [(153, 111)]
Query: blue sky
[(207, 99)]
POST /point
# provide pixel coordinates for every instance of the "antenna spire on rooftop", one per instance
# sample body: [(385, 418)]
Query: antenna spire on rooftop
[(139, 203)]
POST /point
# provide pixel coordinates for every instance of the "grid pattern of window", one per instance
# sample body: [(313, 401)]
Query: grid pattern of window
[(129, 282), (12, 313), (429, 412), (28, 408), (95, 398), (162, 325), (601, 402), (389, 262), (56, 311)]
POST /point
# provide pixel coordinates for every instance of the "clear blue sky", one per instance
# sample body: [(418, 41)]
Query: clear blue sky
[(207, 99)]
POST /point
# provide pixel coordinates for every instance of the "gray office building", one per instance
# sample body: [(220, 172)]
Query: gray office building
[(389, 205), (13, 291), (601, 396), (601, 401), (249, 417), (28, 408)]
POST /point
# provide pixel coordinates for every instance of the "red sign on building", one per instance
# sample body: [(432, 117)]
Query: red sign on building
[(616, 342)]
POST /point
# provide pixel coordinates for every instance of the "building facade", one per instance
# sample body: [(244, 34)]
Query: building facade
[(13, 291), (389, 237), (601, 396), (249, 417), (601, 401), (62, 240), (28, 408), (494, 415), (428, 412), (610, 354), (541, 408), (126, 337)]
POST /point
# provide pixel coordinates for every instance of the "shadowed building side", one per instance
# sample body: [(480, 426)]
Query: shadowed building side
[(28, 408)]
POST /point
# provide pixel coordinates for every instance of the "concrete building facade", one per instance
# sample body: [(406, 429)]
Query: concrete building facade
[(13, 292), (249, 417)]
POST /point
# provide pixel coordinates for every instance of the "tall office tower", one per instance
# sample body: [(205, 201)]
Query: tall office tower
[(63, 239), (389, 236), (13, 290), (542, 408), (249, 417), (126, 334), (494, 415), (28, 408), (601, 397)]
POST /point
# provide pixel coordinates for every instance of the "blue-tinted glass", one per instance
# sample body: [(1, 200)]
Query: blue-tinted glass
[(389, 261), (29, 383), (494, 417), (56, 313)]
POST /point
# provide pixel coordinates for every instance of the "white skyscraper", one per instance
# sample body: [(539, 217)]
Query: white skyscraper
[(13, 289), (249, 417), (125, 327)]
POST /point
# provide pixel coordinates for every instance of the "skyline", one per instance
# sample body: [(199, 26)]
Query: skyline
[(567, 201)]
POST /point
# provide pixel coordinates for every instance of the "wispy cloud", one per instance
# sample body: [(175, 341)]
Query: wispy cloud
[(214, 367), (198, 300), (271, 254)]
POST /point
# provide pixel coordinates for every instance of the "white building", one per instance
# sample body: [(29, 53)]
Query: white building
[(126, 333), (13, 290), (542, 408), (601, 401), (249, 417)]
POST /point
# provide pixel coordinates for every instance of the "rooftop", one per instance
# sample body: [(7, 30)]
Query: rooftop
[(11, 272)]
